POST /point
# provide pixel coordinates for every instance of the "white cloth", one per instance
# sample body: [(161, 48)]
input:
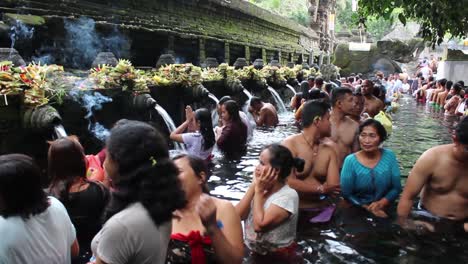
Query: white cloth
[(429, 94), (194, 144), (250, 125), (43, 238), (425, 71), (130, 236), (282, 235)]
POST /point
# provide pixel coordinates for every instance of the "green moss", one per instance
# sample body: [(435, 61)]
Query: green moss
[(26, 19)]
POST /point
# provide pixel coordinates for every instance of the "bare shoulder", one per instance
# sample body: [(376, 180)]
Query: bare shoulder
[(223, 205), (327, 146), (351, 122), (290, 141), (432, 155), (225, 209)]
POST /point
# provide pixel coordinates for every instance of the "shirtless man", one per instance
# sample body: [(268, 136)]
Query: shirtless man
[(440, 100), (451, 105), (372, 104), (343, 128), (320, 175), (264, 113), (441, 176), (440, 87)]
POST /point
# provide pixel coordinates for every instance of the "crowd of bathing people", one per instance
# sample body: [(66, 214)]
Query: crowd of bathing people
[(133, 203)]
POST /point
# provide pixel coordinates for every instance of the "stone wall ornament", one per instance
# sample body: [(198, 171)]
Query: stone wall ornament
[(11, 54), (107, 58)]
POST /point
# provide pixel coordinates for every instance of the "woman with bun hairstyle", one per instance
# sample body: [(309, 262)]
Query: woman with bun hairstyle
[(270, 207), (146, 191)]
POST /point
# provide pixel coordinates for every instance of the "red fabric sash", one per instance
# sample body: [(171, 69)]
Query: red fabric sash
[(196, 242)]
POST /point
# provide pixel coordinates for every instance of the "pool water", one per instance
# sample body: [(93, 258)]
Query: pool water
[(353, 236)]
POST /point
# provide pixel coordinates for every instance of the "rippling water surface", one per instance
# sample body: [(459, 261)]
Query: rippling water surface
[(354, 237)]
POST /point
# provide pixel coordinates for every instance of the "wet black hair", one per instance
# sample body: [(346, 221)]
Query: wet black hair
[(66, 163), (20, 187), (457, 87), (255, 100), (448, 85), (311, 78), (462, 83), (442, 81), (328, 88), (313, 109), (304, 87), (224, 99), (198, 166), (313, 94), (461, 131), (338, 94), (281, 158), (146, 174), (430, 79), (206, 127), (233, 109), (377, 125), (318, 81)]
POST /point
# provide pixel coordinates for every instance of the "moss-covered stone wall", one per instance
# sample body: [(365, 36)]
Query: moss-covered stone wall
[(217, 22)]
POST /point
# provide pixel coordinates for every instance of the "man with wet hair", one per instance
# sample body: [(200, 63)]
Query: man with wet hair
[(320, 175), (319, 83), (264, 114), (442, 96), (372, 104), (440, 176), (343, 128), (357, 113)]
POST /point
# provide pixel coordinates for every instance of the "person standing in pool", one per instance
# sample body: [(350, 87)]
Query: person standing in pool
[(343, 128), (370, 178), (232, 137), (264, 113), (320, 175), (440, 176), (372, 104)]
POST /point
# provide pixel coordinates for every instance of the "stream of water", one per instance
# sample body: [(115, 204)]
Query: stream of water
[(358, 238)]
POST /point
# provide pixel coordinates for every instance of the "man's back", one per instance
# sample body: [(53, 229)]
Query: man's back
[(270, 115)]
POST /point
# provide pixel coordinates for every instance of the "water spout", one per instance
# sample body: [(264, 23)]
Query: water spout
[(60, 131), (279, 103), (291, 88), (245, 108), (169, 123), (213, 97), (247, 93), (214, 112)]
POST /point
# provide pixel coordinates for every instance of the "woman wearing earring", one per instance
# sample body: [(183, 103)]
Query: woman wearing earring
[(199, 143), (207, 229), (370, 178)]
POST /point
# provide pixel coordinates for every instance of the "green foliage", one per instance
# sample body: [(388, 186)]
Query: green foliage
[(436, 17), (295, 10), (347, 19)]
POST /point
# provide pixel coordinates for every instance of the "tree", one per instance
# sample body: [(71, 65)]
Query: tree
[(376, 26), (436, 17), (293, 9)]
